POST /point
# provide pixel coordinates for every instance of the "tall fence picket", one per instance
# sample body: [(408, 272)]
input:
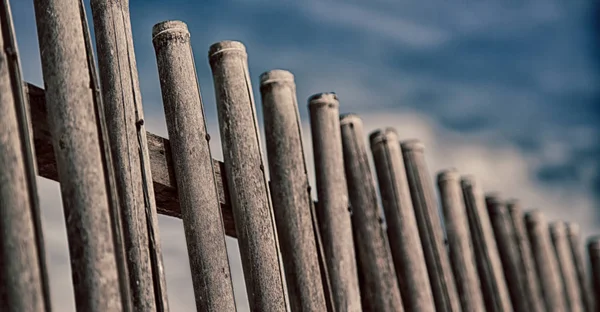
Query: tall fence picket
[(460, 244), (333, 206), (126, 130), (422, 193), (244, 166), (403, 235), (379, 288), (545, 260), (198, 196)]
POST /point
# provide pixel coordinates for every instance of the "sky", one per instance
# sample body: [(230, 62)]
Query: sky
[(505, 90)]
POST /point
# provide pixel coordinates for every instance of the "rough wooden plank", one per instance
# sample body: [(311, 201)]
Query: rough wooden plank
[(165, 190)]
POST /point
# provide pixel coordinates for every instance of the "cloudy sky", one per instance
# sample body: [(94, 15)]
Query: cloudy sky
[(505, 90)]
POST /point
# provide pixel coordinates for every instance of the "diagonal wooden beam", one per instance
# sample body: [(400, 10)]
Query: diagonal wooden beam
[(165, 190)]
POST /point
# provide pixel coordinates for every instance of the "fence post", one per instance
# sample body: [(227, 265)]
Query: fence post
[(378, 285), (291, 192), (573, 234), (459, 241), (593, 248), (23, 275), (525, 259), (430, 227), (252, 210), (75, 133), (489, 265), (194, 173), (558, 233), (507, 248), (402, 231), (333, 216), (125, 121), (545, 260)]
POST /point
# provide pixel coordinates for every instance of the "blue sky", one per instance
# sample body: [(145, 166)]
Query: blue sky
[(506, 90)]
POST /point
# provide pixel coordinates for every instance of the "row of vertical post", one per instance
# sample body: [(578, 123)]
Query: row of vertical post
[(23, 274), (337, 256)]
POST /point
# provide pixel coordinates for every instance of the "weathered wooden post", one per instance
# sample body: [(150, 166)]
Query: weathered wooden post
[(593, 248), (402, 231), (23, 274), (379, 288), (489, 265), (507, 247), (430, 227), (246, 179), (558, 233), (576, 248), (334, 219), (291, 192), (194, 173), (545, 260), (125, 121), (459, 241), (525, 259), (81, 164)]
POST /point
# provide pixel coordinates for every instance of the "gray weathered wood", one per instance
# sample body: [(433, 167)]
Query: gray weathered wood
[(379, 288), (332, 212), (71, 114), (576, 248), (125, 121), (489, 266), (460, 246), (593, 248), (402, 231), (252, 209), (558, 233), (545, 261), (198, 196), (508, 249), (291, 192), (530, 276), (430, 228), (23, 278), (161, 163)]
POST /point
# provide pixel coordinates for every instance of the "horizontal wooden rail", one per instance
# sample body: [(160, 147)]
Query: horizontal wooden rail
[(165, 190)]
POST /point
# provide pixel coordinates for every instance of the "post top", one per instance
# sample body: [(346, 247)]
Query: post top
[(513, 205), (276, 75), (224, 46), (468, 180), (349, 118), (493, 198), (448, 175), (171, 26), (324, 98), (535, 216), (382, 135), (413, 145), (573, 228), (557, 228), (594, 243)]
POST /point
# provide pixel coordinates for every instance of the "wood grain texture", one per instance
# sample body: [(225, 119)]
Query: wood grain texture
[(161, 163)]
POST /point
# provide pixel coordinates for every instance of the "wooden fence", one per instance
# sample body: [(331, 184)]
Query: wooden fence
[(85, 130)]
